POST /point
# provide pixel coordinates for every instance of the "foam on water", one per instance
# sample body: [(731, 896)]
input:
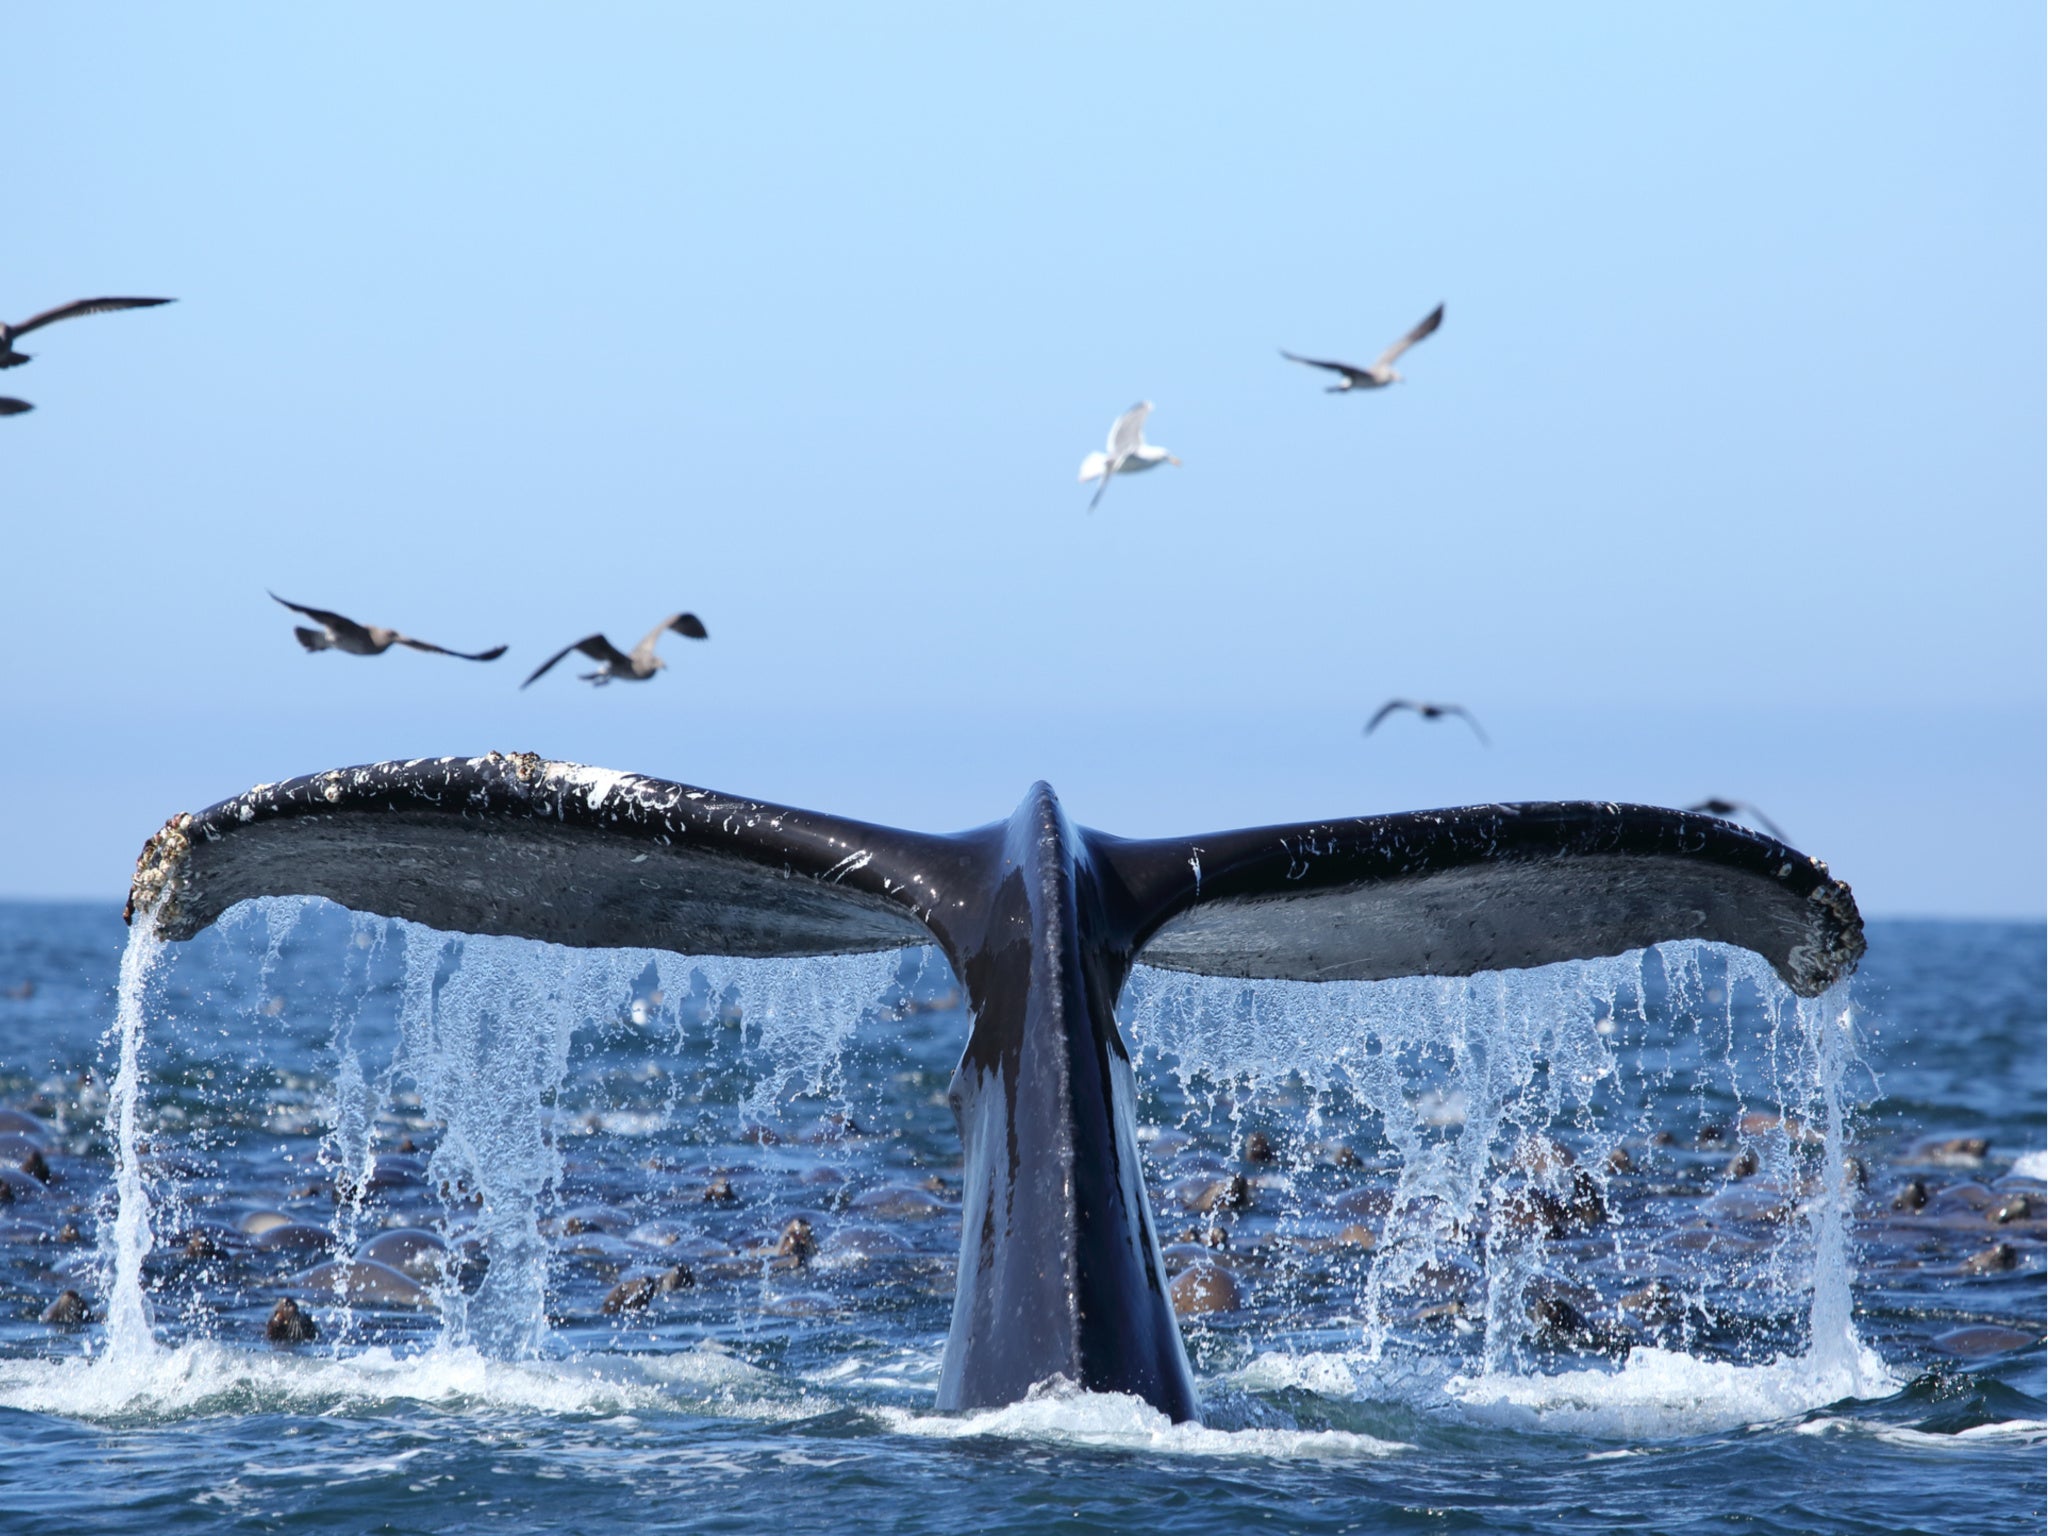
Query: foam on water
[(2003, 1432), (1660, 1393), (205, 1378), (1061, 1414), (2031, 1165)]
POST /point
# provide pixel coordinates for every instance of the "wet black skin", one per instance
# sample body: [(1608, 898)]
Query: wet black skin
[(1060, 1272)]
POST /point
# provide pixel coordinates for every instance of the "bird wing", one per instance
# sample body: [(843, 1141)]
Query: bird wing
[(594, 646), (1316, 362), (78, 307), (1385, 710), (1423, 327), (1466, 714), (1127, 435), (682, 623), (1768, 825), (1727, 810), (441, 650), (12, 407), (339, 623)]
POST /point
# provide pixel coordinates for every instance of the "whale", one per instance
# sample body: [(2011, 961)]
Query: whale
[(1060, 1272)]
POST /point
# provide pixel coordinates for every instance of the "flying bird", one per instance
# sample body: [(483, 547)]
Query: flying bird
[(337, 633), (1128, 451), (613, 663), (9, 334), (1428, 712), (1381, 371), (1730, 809), (12, 407)]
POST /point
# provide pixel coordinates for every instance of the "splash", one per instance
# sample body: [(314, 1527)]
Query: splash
[(1504, 1103), (204, 1378), (126, 1242), (485, 1025), (1060, 1414)]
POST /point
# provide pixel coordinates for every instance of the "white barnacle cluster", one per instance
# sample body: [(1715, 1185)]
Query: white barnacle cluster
[(154, 888)]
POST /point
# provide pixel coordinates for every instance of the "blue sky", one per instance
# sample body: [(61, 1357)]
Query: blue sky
[(509, 323)]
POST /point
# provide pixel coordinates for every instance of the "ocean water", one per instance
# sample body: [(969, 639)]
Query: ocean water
[(1638, 1243)]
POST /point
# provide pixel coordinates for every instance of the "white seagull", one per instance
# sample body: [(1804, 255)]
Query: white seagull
[(1381, 371), (1128, 451)]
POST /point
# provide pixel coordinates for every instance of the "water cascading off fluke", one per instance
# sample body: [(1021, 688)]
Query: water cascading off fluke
[(1060, 1269)]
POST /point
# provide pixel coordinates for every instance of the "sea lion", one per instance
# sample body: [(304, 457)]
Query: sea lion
[(69, 1310), (290, 1323), (363, 1282)]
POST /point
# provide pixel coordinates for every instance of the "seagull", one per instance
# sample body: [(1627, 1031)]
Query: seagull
[(13, 407), (1128, 451), (1381, 372), (1733, 808), (614, 663), (1428, 712), (9, 334), (342, 634)]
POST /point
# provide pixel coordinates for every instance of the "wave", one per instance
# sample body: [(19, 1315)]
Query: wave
[(207, 1379)]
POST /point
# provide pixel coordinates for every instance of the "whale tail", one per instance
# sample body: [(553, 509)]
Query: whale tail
[(1060, 1269)]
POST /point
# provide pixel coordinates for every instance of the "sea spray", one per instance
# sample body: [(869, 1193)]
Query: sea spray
[(485, 1029), (1498, 1100), (797, 1017), (1827, 1027), (127, 1244), (485, 1025)]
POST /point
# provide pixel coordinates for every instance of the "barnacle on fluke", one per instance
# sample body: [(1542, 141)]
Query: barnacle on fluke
[(154, 888), (1060, 1267)]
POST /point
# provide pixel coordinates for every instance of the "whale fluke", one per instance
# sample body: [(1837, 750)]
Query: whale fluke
[(1060, 1269)]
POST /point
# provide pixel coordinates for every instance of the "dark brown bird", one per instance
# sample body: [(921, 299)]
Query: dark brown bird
[(1733, 808), (615, 664), (9, 334), (1380, 372), (13, 407), (337, 633), (1428, 712)]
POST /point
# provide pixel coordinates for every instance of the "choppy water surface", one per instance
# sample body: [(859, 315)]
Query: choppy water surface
[(1642, 1242)]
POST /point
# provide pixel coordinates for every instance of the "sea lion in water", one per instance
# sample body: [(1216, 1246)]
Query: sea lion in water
[(1203, 1288), (69, 1310), (798, 1244), (411, 1251), (363, 1282), (290, 1324), (1060, 1271)]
